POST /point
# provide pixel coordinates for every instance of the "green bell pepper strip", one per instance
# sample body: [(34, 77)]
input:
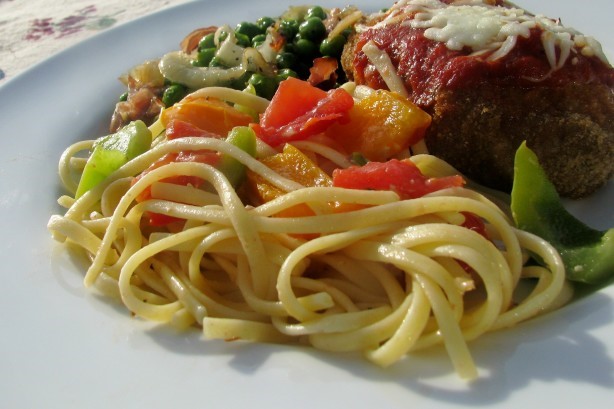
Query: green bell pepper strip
[(111, 152), (588, 254), (245, 139)]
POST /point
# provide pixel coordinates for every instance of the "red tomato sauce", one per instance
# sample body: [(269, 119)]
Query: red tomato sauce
[(428, 66)]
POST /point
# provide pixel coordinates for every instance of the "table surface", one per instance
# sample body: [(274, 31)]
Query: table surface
[(32, 30)]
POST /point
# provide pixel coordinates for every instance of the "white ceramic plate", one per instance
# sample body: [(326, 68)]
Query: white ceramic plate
[(61, 346)]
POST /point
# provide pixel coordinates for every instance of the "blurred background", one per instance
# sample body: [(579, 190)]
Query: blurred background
[(32, 30)]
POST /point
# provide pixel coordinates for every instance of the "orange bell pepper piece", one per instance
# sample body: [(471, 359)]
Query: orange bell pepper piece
[(208, 114), (294, 165), (380, 126)]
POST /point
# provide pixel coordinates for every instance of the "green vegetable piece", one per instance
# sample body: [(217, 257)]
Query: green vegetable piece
[(588, 254), (204, 57), (173, 93), (265, 22), (358, 159), (245, 139), (332, 47), (285, 74), (111, 152), (288, 28), (243, 40), (316, 11), (265, 86), (312, 29), (217, 62), (241, 82), (223, 36), (123, 97), (249, 29), (207, 41), (347, 32), (258, 40), (289, 48), (305, 48), (286, 59)]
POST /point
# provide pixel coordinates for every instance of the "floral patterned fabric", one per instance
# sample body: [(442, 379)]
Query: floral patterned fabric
[(32, 30)]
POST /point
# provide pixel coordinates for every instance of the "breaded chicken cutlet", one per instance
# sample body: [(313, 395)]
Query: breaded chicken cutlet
[(492, 75)]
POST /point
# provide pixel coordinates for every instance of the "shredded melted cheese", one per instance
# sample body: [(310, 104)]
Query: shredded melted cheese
[(491, 31), (382, 63)]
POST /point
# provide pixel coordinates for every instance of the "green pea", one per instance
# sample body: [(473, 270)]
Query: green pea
[(265, 22), (288, 28), (123, 97), (285, 59), (305, 48), (243, 40), (316, 11), (216, 62), (258, 40), (207, 41), (285, 74), (173, 94), (289, 48), (223, 35), (241, 82), (204, 57), (358, 159), (332, 47), (264, 86), (312, 29), (248, 29)]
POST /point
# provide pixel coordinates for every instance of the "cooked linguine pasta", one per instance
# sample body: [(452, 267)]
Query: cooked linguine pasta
[(385, 277)]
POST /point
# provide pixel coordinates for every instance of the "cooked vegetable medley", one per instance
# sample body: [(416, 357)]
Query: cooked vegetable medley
[(304, 42)]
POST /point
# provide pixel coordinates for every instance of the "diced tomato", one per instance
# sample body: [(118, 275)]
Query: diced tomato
[(324, 69), (299, 110), (177, 128), (292, 99), (473, 222), (158, 219), (277, 40), (402, 177), (208, 157)]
